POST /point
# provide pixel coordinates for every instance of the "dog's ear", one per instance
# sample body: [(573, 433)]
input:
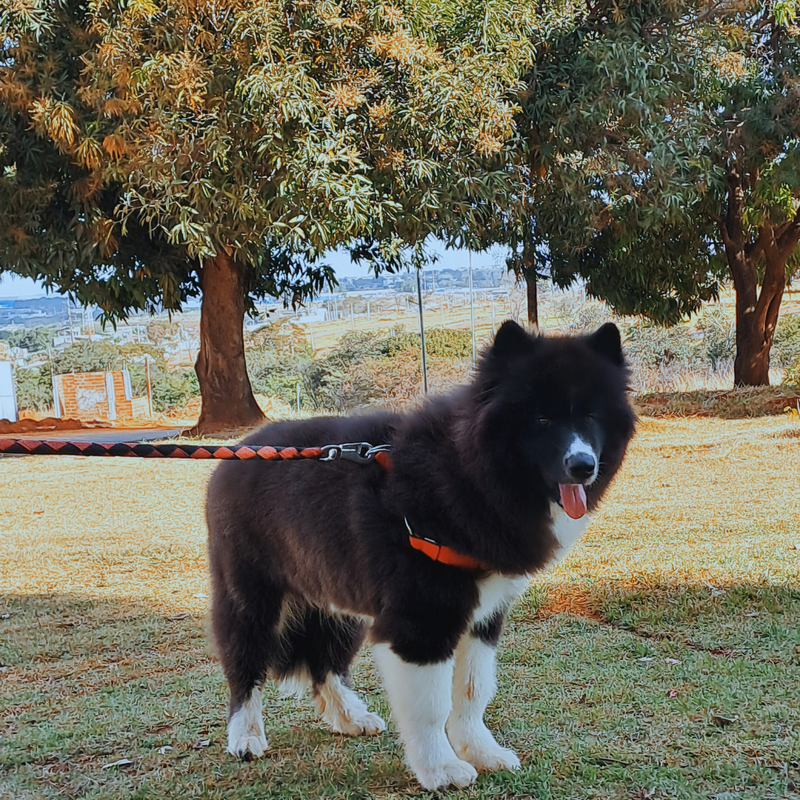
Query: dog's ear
[(511, 340), (607, 342)]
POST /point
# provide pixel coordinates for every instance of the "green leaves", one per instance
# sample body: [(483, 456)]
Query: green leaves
[(140, 138), (632, 120)]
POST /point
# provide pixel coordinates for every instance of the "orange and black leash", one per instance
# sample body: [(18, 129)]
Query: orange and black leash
[(360, 452)]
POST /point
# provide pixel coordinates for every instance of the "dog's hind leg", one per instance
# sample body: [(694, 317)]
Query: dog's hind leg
[(321, 647), (248, 642), (473, 687)]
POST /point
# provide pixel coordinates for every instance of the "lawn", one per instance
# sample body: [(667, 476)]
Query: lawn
[(660, 660)]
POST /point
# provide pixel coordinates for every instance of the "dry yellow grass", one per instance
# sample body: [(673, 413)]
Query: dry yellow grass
[(698, 500), (102, 561)]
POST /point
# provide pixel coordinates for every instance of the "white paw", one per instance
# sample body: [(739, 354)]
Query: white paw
[(488, 757), (450, 773), (246, 737), (364, 725), (248, 747)]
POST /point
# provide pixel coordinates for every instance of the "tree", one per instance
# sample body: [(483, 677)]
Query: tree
[(152, 153), (659, 145)]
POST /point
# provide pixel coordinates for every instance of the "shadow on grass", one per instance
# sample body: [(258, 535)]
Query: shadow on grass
[(685, 692)]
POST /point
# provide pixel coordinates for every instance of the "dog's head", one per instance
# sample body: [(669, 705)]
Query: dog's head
[(557, 408)]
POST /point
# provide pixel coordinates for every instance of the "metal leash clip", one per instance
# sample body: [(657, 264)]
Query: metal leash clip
[(360, 452)]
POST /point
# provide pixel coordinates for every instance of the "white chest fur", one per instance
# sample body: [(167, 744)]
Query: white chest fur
[(497, 593), (566, 530)]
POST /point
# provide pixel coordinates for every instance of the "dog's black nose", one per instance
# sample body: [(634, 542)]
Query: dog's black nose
[(580, 466)]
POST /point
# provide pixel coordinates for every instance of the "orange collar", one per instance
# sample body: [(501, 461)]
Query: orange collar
[(434, 550), (443, 554)]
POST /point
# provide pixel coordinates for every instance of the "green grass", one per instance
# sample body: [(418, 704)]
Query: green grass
[(87, 683), (693, 557)]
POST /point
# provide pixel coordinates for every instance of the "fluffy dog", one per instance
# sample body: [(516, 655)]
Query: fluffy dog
[(425, 551)]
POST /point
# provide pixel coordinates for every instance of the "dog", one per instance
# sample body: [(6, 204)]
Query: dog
[(424, 549)]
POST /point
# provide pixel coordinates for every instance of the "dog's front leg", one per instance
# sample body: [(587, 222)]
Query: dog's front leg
[(473, 687), (421, 701)]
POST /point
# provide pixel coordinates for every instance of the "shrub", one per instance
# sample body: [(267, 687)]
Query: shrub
[(786, 348), (786, 345), (719, 336), (279, 357), (439, 342), (654, 346), (792, 377), (33, 339), (34, 388), (576, 314), (174, 390)]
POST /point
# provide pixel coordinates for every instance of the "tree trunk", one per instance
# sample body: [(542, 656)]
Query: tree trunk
[(228, 402), (529, 271), (756, 312), (533, 300), (756, 320), (751, 365)]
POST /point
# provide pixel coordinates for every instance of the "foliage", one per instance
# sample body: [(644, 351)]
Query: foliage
[(575, 314), (439, 342), (170, 389), (33, 339), (365, 368), (651, 345), (102, 355), (787, 348), (656, 153), (34, 388), (277, 356), (719, 336), (139, 140), (787, 341)]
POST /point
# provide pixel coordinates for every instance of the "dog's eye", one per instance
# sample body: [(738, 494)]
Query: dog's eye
[(543, 421)]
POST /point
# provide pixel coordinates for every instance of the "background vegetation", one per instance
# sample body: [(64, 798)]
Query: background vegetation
[(382, 367), (156, 152), (170, 389)]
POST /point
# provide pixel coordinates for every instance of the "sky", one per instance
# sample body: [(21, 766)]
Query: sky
[(15, 288), (12, 287)]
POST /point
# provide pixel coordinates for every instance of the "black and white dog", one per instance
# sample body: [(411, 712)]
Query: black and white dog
[(425, 552)]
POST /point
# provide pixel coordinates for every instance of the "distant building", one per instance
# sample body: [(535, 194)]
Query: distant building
[(97, 396), (8, 396)]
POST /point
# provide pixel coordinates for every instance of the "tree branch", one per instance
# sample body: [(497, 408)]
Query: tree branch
[(726, 240), (789, 238), (733, 217)]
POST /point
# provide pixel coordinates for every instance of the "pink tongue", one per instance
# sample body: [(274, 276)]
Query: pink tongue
[(573, 498)]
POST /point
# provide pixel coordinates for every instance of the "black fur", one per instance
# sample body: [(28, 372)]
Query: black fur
[(476, 470), (489, 630)]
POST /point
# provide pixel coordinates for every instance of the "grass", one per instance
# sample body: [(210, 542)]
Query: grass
[(660, 660), (751, 401)]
